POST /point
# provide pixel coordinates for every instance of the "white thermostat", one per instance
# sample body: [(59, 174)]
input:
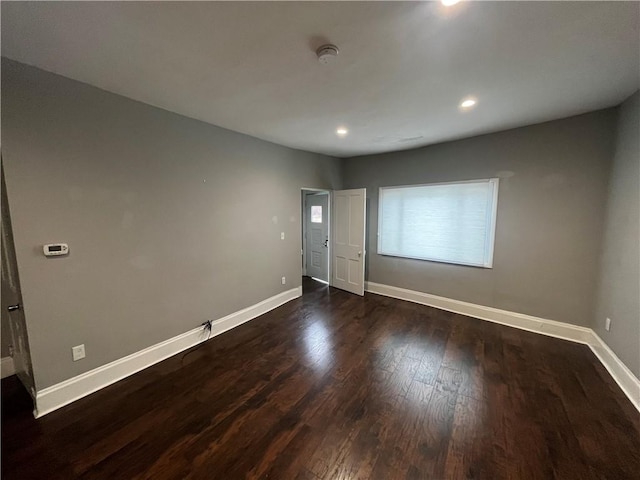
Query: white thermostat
[(53, 249)]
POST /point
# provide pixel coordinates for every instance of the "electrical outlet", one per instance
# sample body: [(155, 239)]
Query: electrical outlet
[(284, 280), (281, 235), (78, 352), (607, 324)]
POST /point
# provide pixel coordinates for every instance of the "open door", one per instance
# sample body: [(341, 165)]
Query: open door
[(11, 301), (348, 237)]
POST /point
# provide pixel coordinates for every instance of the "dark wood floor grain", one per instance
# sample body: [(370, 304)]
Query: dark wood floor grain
[(335, 386)]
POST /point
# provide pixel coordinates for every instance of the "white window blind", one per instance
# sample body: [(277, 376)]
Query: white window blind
[(443, 222)]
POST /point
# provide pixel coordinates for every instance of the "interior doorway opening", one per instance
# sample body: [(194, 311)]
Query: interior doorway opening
[(11, 313), (316, 245)]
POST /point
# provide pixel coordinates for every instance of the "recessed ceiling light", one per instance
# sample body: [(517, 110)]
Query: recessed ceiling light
[(342, 131), (468, 103), (448, 3)]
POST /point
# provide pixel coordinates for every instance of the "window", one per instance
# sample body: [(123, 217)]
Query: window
[(316, 214), (442, 222)]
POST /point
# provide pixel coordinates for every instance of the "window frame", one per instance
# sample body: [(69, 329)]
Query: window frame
[(492, 223)]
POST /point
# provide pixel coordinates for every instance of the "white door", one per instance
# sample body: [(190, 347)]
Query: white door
[(348, 231), (317, 248), (11, 301)]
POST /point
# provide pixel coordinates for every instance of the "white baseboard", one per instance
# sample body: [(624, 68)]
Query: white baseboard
[(63, 393), (7, 367), (627, 381), (624, 377), (530, 323)]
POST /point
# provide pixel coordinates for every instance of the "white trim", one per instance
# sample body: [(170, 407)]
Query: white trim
[(7, 367), (63, 393), (566, 331), (624, 377), (627, 381)]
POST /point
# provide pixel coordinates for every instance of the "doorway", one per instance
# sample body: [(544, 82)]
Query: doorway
[(11, 312), (333, 238), (315, 234)]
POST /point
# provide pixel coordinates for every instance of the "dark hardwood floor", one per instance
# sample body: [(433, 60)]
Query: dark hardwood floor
[(334, 386)]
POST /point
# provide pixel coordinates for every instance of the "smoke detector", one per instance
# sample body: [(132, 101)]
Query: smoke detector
[(327, 53)]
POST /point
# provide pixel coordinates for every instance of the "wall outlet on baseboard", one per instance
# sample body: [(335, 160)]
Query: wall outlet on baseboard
[(78, 352), (281, 235), (607, 324), (284, 280)]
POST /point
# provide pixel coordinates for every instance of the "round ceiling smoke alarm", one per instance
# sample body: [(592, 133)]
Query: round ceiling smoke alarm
[(326, 53)]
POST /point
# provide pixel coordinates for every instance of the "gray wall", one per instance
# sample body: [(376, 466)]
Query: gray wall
[(619, 288), (169, 221), (550, 215)]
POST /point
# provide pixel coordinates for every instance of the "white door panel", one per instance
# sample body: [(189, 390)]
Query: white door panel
[(348, 240), (11, 301)]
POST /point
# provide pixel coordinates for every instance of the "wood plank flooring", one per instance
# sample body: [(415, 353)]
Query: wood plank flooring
[(335, 386)]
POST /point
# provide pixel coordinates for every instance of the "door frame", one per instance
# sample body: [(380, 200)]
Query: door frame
[(18, 328), (303, 221)]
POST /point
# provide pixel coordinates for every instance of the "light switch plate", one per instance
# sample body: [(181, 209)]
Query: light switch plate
[(78, 352)]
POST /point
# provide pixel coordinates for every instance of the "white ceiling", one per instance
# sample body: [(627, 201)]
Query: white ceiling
[(402, 70)]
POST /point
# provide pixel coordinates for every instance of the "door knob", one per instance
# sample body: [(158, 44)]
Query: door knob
[(359, 254), (11, 308)]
